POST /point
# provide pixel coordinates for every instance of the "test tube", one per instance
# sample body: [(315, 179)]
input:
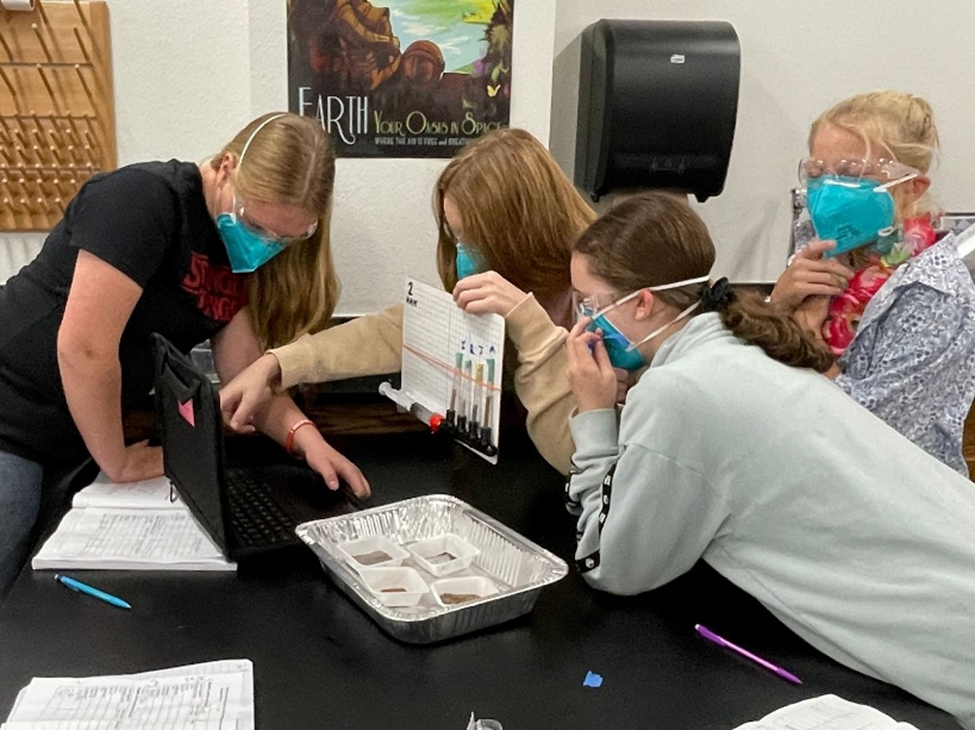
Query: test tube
[(487, 428), (477, 409), (454, 387), (465, 401)]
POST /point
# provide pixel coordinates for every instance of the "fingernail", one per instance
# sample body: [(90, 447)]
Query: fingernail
[(333, 484)]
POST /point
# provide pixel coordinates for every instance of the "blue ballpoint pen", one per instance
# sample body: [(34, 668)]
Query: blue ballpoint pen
[(76, 585)]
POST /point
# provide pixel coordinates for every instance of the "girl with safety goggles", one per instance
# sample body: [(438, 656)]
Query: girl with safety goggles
[(884, 291)]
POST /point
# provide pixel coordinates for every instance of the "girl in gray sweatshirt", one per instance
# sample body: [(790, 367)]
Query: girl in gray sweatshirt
[(735, 448)]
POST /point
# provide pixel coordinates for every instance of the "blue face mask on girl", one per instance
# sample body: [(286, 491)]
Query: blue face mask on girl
[(849, 210), (467, 262), (623, 352), (246, 249), (249, 249)]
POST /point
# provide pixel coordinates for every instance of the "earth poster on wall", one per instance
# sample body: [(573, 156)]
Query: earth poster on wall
[(401, 78)]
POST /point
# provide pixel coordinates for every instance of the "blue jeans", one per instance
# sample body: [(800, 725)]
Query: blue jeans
[(20, 503)]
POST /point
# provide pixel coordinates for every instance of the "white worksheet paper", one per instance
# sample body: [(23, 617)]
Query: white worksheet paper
[(150, 493), (119, 539), (827, 712), (211, 696)]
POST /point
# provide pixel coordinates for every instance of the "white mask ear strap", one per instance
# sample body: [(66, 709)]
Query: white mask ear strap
[(657, 331), (898, 181), (254, 134), (661, 287), (678, 284)]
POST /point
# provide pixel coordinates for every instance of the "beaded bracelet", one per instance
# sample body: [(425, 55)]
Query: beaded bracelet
[(289, 441)]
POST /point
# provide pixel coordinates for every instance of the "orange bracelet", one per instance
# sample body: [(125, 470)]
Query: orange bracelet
[(289, 440)]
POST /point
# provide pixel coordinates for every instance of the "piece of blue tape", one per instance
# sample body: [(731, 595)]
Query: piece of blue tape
[(592, 680)]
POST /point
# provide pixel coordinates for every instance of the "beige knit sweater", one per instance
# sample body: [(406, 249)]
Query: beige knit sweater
[(372, 345)]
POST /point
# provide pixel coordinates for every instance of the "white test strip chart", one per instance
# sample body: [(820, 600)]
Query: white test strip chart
[(452, 365)]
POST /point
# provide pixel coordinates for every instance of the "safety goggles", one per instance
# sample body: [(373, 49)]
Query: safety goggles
[(881, 170), (239, 213), (596, 303)]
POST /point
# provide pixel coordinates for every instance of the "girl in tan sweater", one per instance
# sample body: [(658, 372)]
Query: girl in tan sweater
[(507, 217)]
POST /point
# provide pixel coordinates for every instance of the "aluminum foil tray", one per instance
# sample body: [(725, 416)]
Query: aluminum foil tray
[(518, 567)]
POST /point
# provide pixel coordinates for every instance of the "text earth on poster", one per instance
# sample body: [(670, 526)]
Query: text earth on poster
[(407, 78)]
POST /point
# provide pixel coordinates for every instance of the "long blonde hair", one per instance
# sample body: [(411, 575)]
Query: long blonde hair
[(291, 161), (653, 239), (520, 211), (901, 124)]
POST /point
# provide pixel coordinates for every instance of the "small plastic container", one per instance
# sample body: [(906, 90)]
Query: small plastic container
[(395, 587), (443, 554), (453, 592), (370, 552)]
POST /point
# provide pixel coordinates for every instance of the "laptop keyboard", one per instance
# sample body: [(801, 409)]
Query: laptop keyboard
[(257, 519)]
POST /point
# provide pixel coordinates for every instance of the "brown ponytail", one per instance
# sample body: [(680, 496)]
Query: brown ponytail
[(753, 320), (653, 239)]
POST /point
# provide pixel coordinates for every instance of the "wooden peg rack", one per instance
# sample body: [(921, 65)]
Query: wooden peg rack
[(57, 119)]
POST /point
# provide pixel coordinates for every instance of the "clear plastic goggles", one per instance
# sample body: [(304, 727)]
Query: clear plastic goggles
[(238, 212), (881, 170), (590, 305), (597, 303)]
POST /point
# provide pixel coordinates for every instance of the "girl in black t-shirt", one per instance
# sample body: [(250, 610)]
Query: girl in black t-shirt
[(176, 248)]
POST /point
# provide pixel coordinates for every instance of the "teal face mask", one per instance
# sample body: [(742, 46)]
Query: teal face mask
[(623, 353), (851, 211), (246, 249), (467, 262)]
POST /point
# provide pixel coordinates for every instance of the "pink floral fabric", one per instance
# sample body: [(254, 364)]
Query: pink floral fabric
[(889, 252)]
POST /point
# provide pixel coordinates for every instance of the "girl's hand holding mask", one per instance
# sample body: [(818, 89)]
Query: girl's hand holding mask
[(809, 274), (591, 376)]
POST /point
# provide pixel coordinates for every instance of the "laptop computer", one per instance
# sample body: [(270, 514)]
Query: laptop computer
[(248, 511)]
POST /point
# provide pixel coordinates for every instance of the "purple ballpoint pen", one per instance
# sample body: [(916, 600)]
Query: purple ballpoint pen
[(711, 636)]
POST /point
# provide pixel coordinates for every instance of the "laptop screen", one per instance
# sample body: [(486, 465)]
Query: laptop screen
[(188, 411)]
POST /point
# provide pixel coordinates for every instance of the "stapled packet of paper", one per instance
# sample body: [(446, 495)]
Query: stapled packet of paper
[(827, 712)]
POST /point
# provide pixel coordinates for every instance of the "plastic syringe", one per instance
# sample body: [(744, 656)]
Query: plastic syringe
[(433, 420)]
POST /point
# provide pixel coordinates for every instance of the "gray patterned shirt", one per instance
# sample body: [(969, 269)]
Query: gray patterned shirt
[(912, 362)]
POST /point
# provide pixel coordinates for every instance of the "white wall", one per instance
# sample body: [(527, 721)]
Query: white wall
[(797, 59), (189, 74), (180, 87)]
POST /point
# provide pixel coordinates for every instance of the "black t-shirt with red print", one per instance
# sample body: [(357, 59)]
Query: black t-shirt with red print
[(149, 221)]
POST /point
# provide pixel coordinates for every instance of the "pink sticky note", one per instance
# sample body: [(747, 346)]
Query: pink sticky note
[(186, 411)]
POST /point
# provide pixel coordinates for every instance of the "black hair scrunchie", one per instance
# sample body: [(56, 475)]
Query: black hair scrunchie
[(718, 296)]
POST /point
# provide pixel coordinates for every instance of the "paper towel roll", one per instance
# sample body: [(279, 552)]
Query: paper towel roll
[(17, 4)]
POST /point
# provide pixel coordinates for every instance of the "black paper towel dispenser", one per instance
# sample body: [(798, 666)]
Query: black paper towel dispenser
[(658, 102)]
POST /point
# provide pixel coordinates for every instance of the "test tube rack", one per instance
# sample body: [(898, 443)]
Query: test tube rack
[(57, 118)]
